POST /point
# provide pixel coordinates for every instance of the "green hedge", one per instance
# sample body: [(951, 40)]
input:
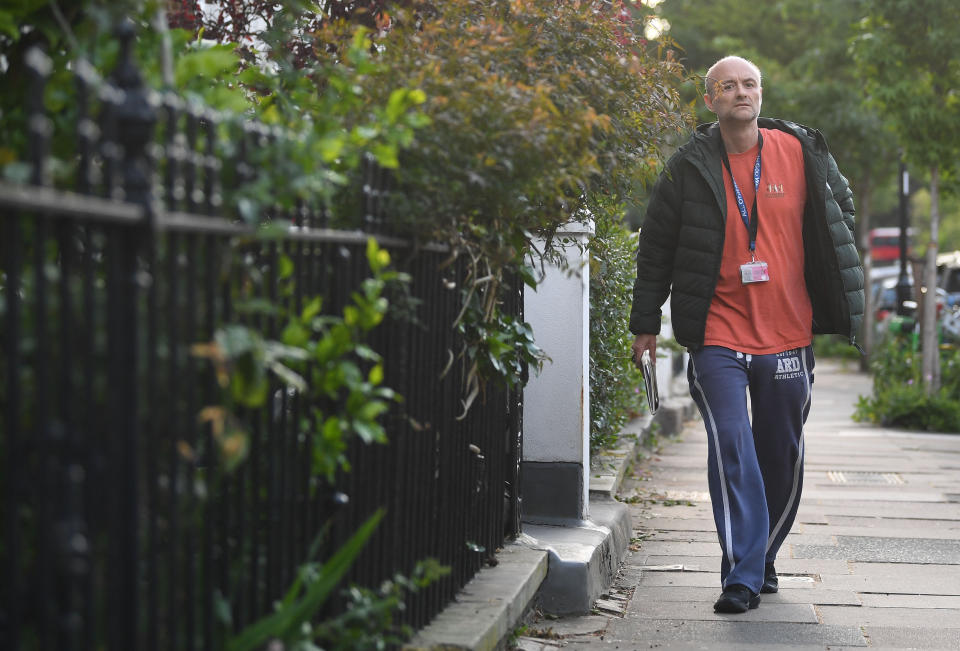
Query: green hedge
[(616, 392), (899, 398)]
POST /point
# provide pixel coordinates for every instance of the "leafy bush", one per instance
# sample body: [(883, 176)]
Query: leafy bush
[(367, 623), (615, 381), (530, 105), (316, 116), (322, 357), (533, 108), (899, 398)]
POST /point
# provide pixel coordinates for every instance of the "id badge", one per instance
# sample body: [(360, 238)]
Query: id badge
[(754, 272)]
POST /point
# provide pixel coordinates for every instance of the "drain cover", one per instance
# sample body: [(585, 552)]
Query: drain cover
[(872, 478)]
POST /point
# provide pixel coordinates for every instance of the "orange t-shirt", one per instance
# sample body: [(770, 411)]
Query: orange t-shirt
[(766, 317)]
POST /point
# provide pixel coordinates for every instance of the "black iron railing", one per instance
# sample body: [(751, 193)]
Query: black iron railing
[(122, 529)]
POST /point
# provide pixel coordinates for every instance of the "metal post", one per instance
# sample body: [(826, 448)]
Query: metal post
[(135, 119), (904, 286)]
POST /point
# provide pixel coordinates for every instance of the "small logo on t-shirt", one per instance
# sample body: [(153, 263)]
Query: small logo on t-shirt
[(775, 190)]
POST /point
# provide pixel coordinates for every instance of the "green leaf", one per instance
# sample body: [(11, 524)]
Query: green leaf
[(400, 100), (277, 350), (295, 335), (237, 340), (283, 623), (212, 62), (312, 308), (8, 25), (332, 429), (376, 375), (366, 352), (289, 377), (386, 155), (255, 306), (249, 385), (370, 432), (331, 146), (285, 266), (372, 410), (351, 315), (528, 277)]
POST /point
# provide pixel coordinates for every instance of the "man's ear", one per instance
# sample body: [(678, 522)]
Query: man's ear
[(708, 102)]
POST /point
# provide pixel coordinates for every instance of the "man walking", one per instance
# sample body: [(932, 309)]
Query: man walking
[(750, 230)]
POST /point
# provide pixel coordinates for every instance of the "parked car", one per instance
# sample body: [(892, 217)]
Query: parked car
[(885, 303), (885, 295), (948, 276)]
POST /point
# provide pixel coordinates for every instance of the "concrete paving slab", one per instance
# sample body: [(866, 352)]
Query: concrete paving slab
[(892, 585), (681, 579), (910, 601), (680, 547), (677, 567), (904, 617), (812, 597), (712, 580), (710, 646), (810, 539), (680, 512), (906, 571), (784, 565), (871, 493), (886, 531), (682, 524), (913, 638), (530, 644), (884, 550), (585, 625), (910, 510), (703, 611), (735, 633), (684, 536)]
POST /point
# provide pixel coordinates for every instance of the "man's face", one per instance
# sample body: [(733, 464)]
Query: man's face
[(733, 92)]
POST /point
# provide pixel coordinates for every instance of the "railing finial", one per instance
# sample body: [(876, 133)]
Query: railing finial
[(136, 117)]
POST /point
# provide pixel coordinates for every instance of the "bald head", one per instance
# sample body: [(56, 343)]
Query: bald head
[(715, 73)]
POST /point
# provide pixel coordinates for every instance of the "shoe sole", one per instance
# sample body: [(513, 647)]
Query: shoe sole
[(729, 608)]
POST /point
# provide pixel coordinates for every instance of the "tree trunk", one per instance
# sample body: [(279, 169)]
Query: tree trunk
[(929, 342), (863, 217)]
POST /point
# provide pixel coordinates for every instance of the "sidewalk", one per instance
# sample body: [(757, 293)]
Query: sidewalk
[(873, 560)]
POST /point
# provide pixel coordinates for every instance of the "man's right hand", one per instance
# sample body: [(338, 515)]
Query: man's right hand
[(642, 343)]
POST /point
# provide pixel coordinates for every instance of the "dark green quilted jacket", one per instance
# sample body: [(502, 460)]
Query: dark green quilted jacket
[(681, 242)]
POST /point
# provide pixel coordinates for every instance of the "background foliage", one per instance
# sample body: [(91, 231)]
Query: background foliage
[(616, 384), (808, 76), (534, 108), (322, 125), (899, 399)]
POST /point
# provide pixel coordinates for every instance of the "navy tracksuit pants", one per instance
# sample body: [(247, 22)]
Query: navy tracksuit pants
[(755, 465)]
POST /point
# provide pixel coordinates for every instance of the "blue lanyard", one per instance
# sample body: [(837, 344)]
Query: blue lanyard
[(752, 220)]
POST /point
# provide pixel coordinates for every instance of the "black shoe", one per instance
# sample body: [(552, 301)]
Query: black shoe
[(736, 598), (770, 581)]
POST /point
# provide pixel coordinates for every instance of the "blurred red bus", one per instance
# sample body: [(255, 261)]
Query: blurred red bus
[(885, 244)]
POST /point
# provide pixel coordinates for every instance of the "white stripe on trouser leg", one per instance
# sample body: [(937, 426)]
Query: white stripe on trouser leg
[(723, 482), (797, 465)]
